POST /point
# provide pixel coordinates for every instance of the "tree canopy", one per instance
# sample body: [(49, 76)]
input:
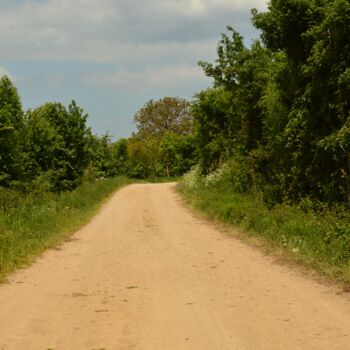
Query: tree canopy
[(282, 106), (11, 127), (167, 114), (163, 144)]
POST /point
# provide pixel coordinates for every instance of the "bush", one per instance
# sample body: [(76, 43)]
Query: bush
[(311, 231)]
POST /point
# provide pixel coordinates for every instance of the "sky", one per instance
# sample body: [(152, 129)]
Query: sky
[(112, 56)]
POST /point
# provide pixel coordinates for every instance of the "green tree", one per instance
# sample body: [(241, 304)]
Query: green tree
[(243, 72), (177, 153), (143, 158), (101, 160), (120, 153), (313, 35), (58, 144), (217, 126), (167, 114), (230, 117), (157, 149), (106, 158), (11, 133)]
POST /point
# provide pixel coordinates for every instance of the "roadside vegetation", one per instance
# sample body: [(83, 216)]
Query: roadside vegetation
[(309, 232), (32, 223), (273, 134)]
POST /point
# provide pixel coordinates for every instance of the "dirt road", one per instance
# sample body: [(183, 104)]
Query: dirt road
[(146, 275)]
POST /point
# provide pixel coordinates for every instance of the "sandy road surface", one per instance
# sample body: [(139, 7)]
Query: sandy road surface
[(145, 274)]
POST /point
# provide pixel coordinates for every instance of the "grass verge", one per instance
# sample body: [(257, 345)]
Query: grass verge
[(29, 224), (316, 238)]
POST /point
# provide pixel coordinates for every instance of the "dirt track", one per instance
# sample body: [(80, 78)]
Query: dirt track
[(146, 275)]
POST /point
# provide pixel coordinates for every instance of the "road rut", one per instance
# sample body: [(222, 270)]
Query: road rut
[(146, 274)]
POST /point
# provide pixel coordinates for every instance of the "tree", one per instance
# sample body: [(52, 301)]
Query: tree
[(58, 144), (158, 147), (143, 158), (243, 72), (177, 153), (314, 37), (101, 160), (217, 126), (106, 158), (120, 154), (167, 114), (229, 117), (11, 133)]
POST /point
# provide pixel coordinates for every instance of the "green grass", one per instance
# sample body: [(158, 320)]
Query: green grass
[(30, 224), (318, 238)]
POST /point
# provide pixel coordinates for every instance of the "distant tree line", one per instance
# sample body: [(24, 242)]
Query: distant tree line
[(50, 148), (279, 110), (46, 148)]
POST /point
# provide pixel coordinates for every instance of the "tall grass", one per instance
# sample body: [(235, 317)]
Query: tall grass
[(310, 232), (29, 224)]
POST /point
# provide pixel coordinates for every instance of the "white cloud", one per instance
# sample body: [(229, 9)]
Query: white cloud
[(207, 7), (171, 76), (110, 30), (124, 53)]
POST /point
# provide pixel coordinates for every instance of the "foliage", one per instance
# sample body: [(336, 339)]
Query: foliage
[(281, 106), (53, 174), (107, 159), (274, 133), (156, 118), (191, 179), (243, 74), (120, 152), (310, 232), (143, 156), (177, 153), (314, 36), (229, 118), (57, 144), (31, 223), (50, 148), (214, 119), (164, 145), (11, 129)]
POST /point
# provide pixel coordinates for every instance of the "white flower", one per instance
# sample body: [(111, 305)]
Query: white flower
[(216, 176), (192, 179)]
